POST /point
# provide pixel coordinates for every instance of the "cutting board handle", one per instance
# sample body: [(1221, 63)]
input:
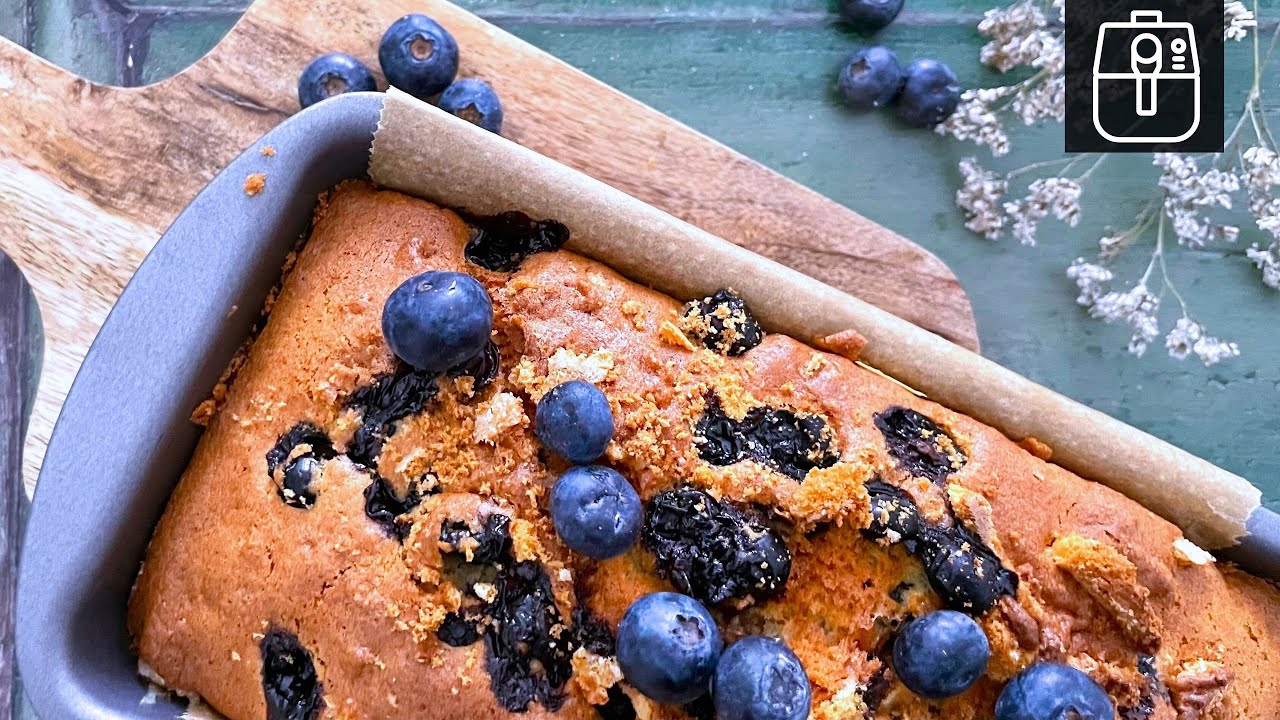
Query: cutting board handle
[(91, 175)]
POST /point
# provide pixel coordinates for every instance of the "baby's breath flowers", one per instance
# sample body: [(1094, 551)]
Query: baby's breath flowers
[(1195, 194), (1239, 20)]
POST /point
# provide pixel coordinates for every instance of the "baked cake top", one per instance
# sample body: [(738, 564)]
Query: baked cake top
[(356, 537)]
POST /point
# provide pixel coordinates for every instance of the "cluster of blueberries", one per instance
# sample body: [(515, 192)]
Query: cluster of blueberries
[(668, 644), (924, 93), (418, 56)]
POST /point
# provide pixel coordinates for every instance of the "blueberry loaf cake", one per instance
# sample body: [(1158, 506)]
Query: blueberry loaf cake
[(462, 473)]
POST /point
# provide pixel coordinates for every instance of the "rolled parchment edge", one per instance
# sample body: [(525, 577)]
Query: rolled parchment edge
[(423, 151)]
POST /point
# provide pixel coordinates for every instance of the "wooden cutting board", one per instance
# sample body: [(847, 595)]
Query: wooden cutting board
[(90, 176)]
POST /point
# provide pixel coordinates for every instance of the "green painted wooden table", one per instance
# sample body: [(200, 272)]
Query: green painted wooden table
[(757, 75)]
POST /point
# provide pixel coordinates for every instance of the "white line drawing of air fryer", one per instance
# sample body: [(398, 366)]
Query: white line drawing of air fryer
[(1157, 51)]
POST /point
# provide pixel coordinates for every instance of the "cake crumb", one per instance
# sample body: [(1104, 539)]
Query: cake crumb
[(673, 335), (525, 544), (974, 511), (503, 411), (1111, 579), (1036, 448), (594, 675), (204, 412), (268, 151), (848, 344), (235, 656), (834, 494), (565, 365), (847, 702), (1189, 553), (485, 591), (635, 311), (813, 365), (255, 183), (1199, 688)]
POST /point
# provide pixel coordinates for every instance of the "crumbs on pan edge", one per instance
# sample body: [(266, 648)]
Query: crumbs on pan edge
[(255, 183)]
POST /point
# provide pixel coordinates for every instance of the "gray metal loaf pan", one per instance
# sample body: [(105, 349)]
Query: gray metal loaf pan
[(124, 435)]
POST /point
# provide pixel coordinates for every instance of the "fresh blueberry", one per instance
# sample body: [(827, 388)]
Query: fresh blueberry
[(759, 678), (474, 101), (596, 511), (941, 654), (574, 421), (929, 95), (1050, 691), (668, 645), (871, 78), (418, 56), (868, 16), (330, 75), (437, 320)]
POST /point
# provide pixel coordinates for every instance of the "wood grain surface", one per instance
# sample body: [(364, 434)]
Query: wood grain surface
[(91, 175)]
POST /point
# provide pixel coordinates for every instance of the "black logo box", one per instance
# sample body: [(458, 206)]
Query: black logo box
[(1121, 100)]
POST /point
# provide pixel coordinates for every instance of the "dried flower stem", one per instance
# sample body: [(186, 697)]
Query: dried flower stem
[(1192, 190)]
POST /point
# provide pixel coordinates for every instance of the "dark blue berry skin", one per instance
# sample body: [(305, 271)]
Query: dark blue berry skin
[(941, 654), (869, 16), (574, 421), (418, 56), (1050, 691), (474, 101), (437, 320), (333, 74), (596, 511), (759, 678), (929, 95), (668, 645), (871, 78)]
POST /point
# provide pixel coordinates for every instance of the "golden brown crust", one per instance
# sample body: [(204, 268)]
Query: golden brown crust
[(1101, 581)]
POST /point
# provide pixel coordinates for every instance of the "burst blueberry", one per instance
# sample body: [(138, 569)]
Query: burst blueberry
[(759, 678), (596, 511), (871, 78), (1050, 691), (437, 320), (574, 421), (418, 56), (929, 95), (295, 490), (333, 74), (668, 646), (474, 101), (291, 687), (869, 16), (941, 654)]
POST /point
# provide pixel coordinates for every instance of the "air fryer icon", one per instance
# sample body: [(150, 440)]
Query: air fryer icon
[(1132, 62)]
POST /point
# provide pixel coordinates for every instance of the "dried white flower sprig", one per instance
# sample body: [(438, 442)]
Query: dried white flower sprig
[(1239, 20), (1194, 193)]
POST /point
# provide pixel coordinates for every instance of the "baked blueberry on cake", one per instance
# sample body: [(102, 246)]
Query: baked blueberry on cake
[(463, 473)]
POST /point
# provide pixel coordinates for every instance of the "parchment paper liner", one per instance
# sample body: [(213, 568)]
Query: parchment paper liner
[(422, 151)]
